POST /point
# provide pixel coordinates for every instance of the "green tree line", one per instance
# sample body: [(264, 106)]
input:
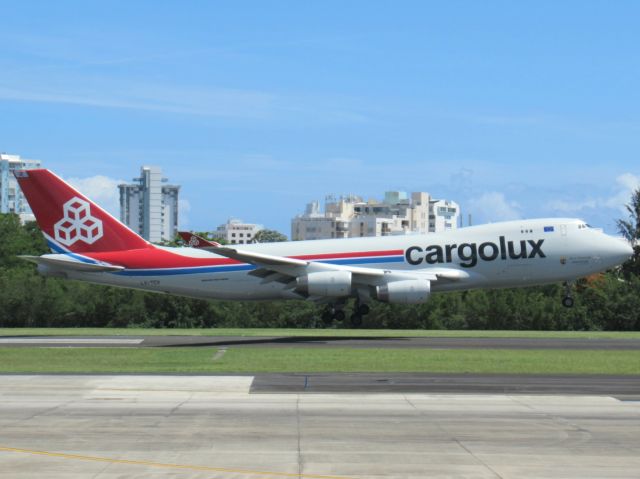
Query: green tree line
[(609, 301)]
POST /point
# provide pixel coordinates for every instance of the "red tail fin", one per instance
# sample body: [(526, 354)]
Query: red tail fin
[(69, 220)]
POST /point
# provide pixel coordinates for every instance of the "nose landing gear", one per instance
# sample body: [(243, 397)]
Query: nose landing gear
[(567, 300)]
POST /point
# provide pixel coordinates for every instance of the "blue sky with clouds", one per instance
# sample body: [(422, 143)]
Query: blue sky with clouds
[(256, 108)]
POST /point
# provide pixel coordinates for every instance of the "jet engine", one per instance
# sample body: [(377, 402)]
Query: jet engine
[(325, 283), (410, 291)]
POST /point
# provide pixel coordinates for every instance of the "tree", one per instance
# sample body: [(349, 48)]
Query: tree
[(630, 229), (17, 239), (269, 236)]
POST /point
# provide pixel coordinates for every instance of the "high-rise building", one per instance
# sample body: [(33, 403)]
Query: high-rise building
[(11, 198), (149, 206), (350, 216)]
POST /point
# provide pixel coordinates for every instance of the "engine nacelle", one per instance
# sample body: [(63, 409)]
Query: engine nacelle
[(325, 283), (409, 291)]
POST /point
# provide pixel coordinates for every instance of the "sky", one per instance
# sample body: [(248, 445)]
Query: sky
[(512, 109)]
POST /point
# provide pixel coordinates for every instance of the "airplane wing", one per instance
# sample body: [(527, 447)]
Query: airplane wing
[(286, 270), (63, 261)]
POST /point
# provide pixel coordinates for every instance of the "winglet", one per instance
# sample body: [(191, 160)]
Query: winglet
[(196, 241)]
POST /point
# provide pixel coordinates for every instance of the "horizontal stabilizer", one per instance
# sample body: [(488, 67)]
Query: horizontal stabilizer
[(64, 262)]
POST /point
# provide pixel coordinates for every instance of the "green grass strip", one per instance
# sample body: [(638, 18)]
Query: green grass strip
[(256, 360), (368, 333)]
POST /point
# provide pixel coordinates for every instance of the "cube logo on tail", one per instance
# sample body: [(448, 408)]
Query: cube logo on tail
[(77, 224), (193, 241)]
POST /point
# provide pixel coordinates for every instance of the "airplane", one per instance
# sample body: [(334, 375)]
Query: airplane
[(88, 244)]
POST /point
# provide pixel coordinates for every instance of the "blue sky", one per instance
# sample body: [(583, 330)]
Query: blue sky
[(256, 108)]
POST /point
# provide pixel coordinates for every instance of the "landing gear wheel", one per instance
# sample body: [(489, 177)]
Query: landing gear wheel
[(567, 301), (363, 309), (356, 320), (331, 313)]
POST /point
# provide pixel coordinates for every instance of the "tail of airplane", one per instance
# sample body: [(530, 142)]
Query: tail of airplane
[(69, 220)]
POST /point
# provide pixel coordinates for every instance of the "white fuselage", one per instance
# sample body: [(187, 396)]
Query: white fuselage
[(492, 255)]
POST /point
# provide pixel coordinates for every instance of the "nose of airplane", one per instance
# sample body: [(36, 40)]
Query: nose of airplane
[(619, 250)]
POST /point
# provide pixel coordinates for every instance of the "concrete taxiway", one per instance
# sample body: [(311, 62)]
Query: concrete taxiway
[(108, 427), (321, 342)]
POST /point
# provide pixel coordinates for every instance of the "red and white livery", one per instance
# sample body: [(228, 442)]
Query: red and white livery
[(88, 244)]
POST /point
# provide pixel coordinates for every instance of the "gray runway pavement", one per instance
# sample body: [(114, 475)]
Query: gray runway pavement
[(320, 342), (108, 427), (623, 387)]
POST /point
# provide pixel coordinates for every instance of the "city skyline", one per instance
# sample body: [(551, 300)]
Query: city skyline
[(512, 111), (105, 191)]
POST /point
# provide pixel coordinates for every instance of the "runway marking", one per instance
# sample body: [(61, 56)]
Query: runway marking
[(79, 457), (68, 341)]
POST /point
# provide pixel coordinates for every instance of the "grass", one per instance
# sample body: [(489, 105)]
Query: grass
[(369, 333), (260, 360)]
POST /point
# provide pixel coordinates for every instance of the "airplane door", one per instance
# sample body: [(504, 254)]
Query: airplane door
[(563, 230)]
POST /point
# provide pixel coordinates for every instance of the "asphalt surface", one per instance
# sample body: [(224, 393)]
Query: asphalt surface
[(320, 342), (195, 427), (621, 386)]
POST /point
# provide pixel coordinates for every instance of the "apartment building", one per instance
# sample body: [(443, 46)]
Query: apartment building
[(11, 198), (149, 205), (398, 213)]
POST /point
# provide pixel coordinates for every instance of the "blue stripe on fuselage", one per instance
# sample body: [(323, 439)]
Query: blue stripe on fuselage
[(247, 267)]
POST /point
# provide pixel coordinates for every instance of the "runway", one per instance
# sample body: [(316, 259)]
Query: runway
[(108, 427), (320, 342), (624, 387)]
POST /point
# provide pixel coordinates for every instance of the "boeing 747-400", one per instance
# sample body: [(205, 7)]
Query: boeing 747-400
[(88, 244)]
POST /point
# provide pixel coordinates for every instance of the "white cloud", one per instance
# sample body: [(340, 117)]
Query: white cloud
[(102, 190), (191, 101), (629, 181), (493, 206), (627, 184), (108, 91), (565, 206), (620, 195)]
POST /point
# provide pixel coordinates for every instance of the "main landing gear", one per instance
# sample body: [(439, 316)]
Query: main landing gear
[(359, 310), (336, 312), (331, 313), (567, 300)]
